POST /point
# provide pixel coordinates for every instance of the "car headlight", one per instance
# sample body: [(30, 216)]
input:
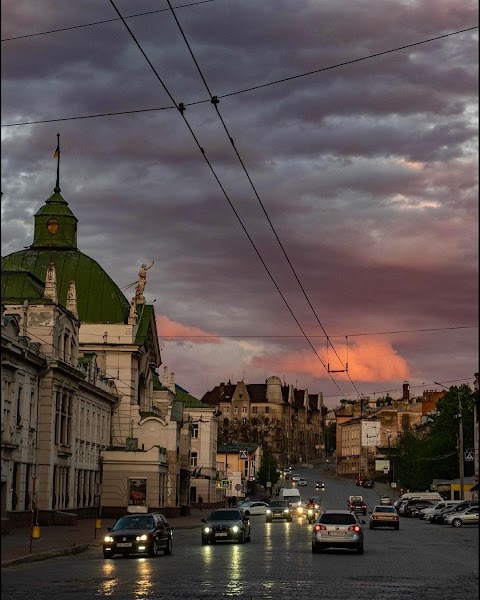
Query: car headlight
[(268, 511), (207, 529), (108, 538), (235, 529), (142, 538), (286, 511), (299, 509)]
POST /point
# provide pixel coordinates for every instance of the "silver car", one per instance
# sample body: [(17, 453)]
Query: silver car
[(469, 516), (337, 529)]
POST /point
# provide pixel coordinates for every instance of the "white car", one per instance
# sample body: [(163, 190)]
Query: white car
[(302, 481), (254, 507), (295, 477), (469, 516)]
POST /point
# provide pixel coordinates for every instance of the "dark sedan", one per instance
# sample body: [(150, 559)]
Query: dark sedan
[(278, 509), (367, 483), (226, 524), (139, 533)]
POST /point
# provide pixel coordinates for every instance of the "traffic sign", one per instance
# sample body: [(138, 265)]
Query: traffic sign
[(226, 484), (469, 455), (243, 454)]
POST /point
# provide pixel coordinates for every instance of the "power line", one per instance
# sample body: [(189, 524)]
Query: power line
[(259, 335), (142, 14), (242, 91), (181, 109)]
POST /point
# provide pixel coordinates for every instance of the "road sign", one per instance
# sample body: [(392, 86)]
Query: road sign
[(244, 454), (469, 455), (226, 484)]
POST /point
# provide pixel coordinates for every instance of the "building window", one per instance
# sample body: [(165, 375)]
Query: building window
[(19, 405), (235, 421), (239, 395), (226, 409), (244, 421), (235, 410), (32, 416), (194, 430), (63, 419), (267, 409), (254, 410), (244, 410), (194, 459)]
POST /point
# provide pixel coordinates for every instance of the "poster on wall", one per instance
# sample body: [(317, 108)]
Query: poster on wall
[(137, 494)]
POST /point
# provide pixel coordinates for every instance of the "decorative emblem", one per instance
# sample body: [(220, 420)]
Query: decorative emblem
[(52, 226)]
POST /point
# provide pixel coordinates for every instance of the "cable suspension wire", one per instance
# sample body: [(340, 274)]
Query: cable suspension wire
[(215, 102), (242, 91), (181, 109)]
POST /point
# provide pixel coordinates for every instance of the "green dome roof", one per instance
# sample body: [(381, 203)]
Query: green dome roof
[(99, 299)]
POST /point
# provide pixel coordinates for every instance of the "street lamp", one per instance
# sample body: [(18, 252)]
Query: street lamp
[(460, 440)]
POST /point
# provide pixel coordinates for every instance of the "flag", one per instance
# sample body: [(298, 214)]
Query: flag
[(56, 154)]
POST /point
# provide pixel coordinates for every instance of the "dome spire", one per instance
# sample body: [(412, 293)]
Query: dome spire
[(57, 156)]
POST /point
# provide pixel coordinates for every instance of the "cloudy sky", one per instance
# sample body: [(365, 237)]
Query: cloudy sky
[(342, 225)]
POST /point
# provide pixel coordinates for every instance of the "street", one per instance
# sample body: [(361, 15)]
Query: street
[(418, 561)]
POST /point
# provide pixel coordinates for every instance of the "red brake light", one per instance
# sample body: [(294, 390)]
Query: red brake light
[(354, 528), (319, 527)]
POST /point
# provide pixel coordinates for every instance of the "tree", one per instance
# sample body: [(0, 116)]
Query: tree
[(268, 471)]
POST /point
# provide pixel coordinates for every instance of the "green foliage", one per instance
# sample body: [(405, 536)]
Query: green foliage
[(268, 471), (422, 456)]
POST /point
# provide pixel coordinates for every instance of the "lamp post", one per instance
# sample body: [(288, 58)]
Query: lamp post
[(460, 440)]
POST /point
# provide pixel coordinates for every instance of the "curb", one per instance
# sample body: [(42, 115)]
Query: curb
[(77, 549)]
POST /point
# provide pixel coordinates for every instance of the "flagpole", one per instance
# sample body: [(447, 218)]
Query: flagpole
[(57, 152)]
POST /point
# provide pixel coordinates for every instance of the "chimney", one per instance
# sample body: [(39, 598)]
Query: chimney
[(406, 391), (320, 401)]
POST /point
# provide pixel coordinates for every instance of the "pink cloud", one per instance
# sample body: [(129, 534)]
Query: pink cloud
[(172, 331), (372, 360)]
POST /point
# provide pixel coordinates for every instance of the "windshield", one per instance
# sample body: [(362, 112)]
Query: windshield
[(225, 515), (142, 522), (278, 504)]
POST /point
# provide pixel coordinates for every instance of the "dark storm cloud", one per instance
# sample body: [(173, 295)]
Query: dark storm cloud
[(367, 171)]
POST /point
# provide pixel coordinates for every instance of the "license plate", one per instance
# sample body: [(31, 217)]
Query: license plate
[(222, 534), (277, 514), (337, 533), (124, 545)]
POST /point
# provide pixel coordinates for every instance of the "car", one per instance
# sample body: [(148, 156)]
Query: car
[(367, 483), (302, 481), (295, 477), (278, 509), (469, 516), (425, 512), (413, 507), (253, 507), (358, 506), (226, 524), (337, 529), (384, 516), (320, 485), (138, 533), (386, 500), (456, 509), (359, 482)]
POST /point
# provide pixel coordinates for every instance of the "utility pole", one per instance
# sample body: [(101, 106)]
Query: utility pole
[(460, 442), (476, 398)]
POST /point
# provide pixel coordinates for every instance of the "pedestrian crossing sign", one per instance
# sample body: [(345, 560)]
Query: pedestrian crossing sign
[(244, 454), (469, 455)]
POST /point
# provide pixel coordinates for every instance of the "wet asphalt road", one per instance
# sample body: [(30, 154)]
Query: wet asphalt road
[(418, 561)]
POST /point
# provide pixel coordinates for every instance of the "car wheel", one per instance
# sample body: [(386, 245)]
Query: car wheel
[(204, 542), (249, 538), (456, 523), (396, 527), (315, 549), (268, 520), (241, 538), (169, 546), (153, 550), (360, 549), (107, 554), (247, 513)]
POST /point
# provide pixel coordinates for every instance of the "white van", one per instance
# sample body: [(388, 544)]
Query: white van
[(438, 506), (291, 495), (419, 496)]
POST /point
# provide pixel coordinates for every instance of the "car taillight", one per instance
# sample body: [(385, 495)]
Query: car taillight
[(319, 527), (374, 518), (354, 528), (395, 518)]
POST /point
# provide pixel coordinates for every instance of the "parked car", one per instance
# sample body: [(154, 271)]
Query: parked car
[(226, 524), (414, 506), (469, 516), (424, 512), (337, 529), (455, 509), (138, 533), (384, 516), (367, 483), (253, 507), (435, 515), (278, 509)]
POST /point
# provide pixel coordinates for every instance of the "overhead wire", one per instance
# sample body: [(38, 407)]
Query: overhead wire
[(244, 90), (142, 14), (181, 109), (215, 102)]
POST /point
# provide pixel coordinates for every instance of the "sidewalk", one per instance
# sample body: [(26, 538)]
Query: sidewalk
[(58, 540)]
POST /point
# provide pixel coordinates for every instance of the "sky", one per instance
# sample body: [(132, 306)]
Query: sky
[(319, 223)]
